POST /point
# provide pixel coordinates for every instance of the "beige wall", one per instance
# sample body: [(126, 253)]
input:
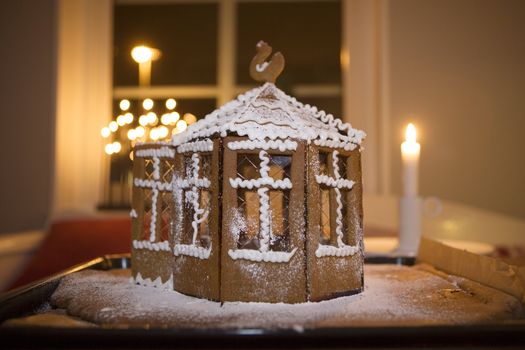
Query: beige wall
[(457, 69), (27, 92)]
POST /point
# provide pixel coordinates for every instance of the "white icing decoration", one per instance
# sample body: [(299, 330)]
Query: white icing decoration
[(164, 245), (156, 168), (196, 146), (256, 255), (157, 283), (337, 183), (161, 186), (261, 67), (133, 214), (192, 250), (256, 183), (154, 198), (347, 146), (329, 250), (281, 145), (330, 181), (194, 183), (163, 152), (268, 113)]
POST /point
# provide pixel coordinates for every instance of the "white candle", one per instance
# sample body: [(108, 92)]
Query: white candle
[(410, 150)]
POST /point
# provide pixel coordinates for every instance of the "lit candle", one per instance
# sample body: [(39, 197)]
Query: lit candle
[(410, 204), (410, 150)]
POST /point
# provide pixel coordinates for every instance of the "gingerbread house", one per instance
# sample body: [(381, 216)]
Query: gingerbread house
[(259, 201)]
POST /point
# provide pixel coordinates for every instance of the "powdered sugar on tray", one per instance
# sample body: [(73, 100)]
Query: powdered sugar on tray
[(394, 295)]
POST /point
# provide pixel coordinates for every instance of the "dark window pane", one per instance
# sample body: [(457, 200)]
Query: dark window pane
[(204, 238), (280, 167), (146, 223), (166, 213), (248, 166), (279, 224), (325, 215), (307, 33), (248, 219), (186, 34), (342, 163)]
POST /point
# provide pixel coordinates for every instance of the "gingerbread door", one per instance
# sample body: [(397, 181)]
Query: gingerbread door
[(263, 221)]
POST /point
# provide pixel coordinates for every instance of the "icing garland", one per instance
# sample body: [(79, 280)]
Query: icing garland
[(192, 250), (256, 255), (163, 152), (196, 146), (256, 183), (199, 214), (164, 245), (281, 145), (265, 228), (157, 283), (347, 146), (337, 183)]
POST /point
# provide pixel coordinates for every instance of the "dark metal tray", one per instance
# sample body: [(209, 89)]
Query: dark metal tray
[(26, 300)]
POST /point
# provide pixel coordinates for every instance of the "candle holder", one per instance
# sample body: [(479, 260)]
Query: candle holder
[(409, 225)]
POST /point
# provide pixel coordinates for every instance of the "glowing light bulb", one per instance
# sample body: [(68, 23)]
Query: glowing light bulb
[(124, 105), (152, 118), (174, 117), (132, 134), (181, 125), (147, 104), (171, 103), (109, 148), (131, 155), (163, 132), (105, 132), (143, 120), (128, 118), (166, 119), (139, 131), (154, 134), (189, 118), (113, 126), (116, 147), (141, 54), (121, 120)]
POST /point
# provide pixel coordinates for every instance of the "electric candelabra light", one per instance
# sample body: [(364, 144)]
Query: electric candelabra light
[(126, 129)]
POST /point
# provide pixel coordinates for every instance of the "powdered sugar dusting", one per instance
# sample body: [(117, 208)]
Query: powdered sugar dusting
[(393, 295)]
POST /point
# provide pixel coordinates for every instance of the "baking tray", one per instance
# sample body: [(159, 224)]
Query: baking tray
[(28, 299)]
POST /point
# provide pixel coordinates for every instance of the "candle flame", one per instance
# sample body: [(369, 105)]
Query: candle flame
[(410, 134)]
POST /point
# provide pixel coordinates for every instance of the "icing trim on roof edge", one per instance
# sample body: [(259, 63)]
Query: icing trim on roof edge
[(266, 112)]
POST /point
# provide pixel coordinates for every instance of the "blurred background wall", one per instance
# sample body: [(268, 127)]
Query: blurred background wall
[(457, 70), (453, 67), (27, 94)]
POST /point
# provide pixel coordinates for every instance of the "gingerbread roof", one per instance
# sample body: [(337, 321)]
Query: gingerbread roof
[(266, 112)]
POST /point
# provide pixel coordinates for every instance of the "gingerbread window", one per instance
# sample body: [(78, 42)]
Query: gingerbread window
[(155, 183), (263, 186), (194, 186), (334, 187)]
